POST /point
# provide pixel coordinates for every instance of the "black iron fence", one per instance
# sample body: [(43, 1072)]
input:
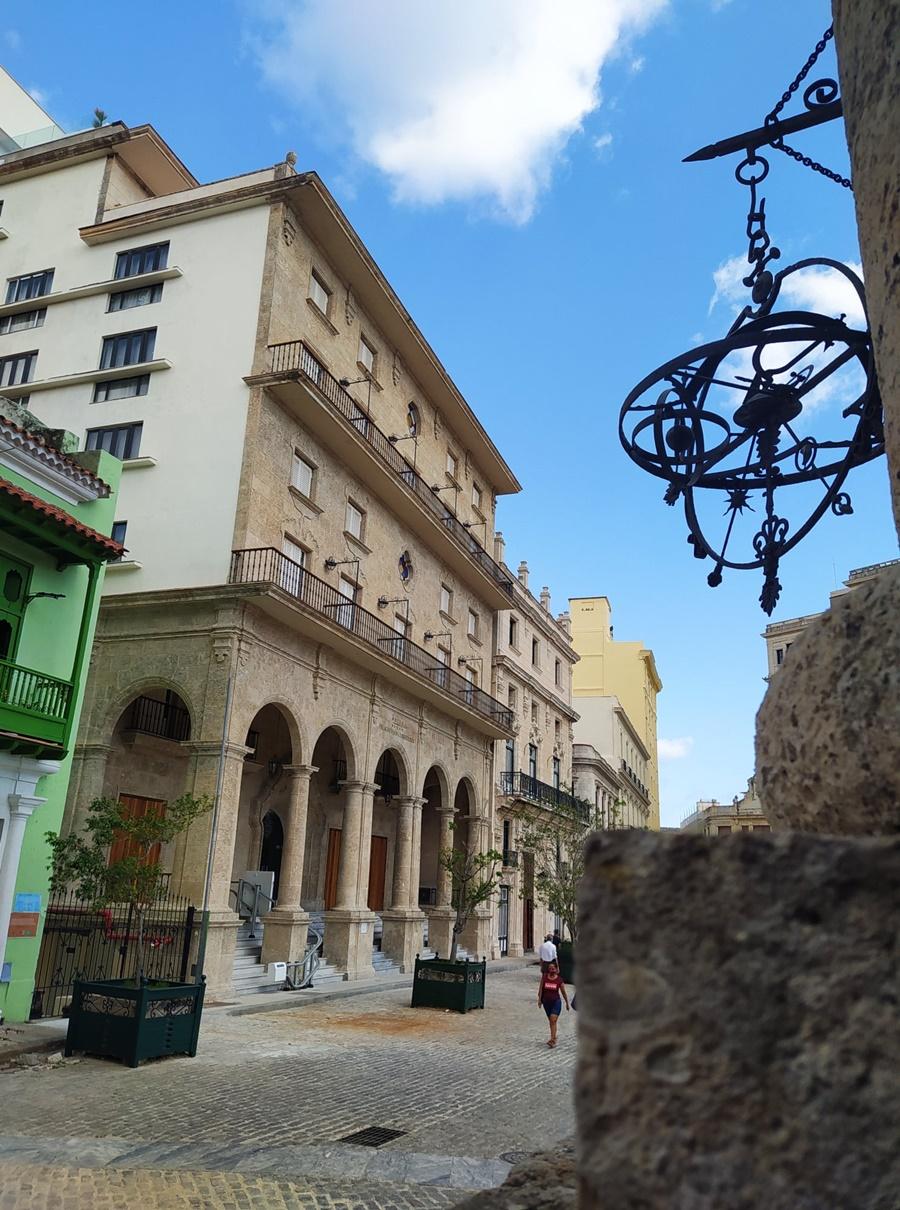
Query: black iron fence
[(164, 719), (268, 565), (523, 785), (295, 357), (84, 942)]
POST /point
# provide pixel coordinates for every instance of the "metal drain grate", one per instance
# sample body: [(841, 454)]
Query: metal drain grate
[(372, 1136)]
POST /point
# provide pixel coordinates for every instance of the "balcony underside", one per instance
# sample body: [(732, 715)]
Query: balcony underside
[(301, 400)]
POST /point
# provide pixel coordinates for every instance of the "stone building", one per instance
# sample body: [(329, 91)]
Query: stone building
[(532, 675), (615, 688), (743, 814), (780, 635), (601, 781), (301, 620)]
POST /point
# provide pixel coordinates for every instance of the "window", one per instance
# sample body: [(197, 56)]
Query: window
[(513, 632), (511, 696), (121, 388), (319, 293), (124, 300), (302, 473), (510, 765), (128, 349), (724, 829), (534, 714), (557, 731), (452, 466), (779, 655), (532, 760), (446, 600), (476, 496), (557, 673), (472, 679), (412, 419), (366, 356), (118, 535), (122, 441), (405, 567), (15, 578), (354, 521), (472, 624), (142, 260), (347, 589), (17, 368), (556, 772), (507, 829), (291, 572), (24, 319), (443, 655), (31, 285), (535, 652)]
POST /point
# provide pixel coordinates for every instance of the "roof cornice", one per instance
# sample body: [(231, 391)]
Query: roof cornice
[(31, 456)]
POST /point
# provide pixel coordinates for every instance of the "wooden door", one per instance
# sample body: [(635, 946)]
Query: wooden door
[(332, 864), (136, 808), (528, 926), (377, 867)]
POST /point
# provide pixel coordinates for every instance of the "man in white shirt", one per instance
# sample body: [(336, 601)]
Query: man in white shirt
[(547, 952)]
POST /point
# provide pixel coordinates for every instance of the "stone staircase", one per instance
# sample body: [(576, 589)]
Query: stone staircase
[(250, 976)]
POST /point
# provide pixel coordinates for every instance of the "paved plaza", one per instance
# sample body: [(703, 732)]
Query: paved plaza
[(257, 1118)]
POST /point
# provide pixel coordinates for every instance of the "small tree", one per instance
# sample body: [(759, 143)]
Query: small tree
[(81, 861), (556, 836), (474, 878), (100, 119)]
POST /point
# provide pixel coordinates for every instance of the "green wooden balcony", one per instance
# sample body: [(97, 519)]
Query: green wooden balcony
[(35, 711)]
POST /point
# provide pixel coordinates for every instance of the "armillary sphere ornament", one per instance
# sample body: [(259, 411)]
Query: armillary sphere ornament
[(729, 424)]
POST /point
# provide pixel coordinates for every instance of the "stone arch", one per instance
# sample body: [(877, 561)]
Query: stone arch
[(350, 748), (109, 719), (400, 763), (242, 724), (466, 794), (437, 773), (272, 737)]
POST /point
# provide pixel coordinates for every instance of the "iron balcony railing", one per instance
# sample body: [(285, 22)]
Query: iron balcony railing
[(633, 778), (293, 357), (266, 565), (523, 785), (33, 704), (163, 719)]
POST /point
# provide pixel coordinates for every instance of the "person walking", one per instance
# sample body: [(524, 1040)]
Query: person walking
[(551, 995), (547, 953)]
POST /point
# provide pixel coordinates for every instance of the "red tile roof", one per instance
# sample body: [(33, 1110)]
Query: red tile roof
[(104, 546), (39, 439)]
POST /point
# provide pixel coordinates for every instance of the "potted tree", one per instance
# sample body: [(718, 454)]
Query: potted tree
[(451, 983), (134, 1018)]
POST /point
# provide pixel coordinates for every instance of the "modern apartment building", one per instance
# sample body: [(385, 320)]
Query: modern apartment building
[(780, 635), (532, 676), (306, 605), (615, 688)]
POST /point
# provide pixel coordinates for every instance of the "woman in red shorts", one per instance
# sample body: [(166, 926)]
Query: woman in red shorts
[(551, 995)]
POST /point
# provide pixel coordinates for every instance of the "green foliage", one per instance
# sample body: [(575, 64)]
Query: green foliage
[(556, 836), (81, 860), (100, 118), (475, 877)]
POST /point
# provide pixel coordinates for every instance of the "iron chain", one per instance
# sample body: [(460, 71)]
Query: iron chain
[(801, 75), (807, 162)]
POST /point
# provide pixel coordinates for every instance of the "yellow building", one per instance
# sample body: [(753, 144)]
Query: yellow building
[(609, 668)]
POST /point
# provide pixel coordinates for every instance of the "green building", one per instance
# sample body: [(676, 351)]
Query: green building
[(57, 510)]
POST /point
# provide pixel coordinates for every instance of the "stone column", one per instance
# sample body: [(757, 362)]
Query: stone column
[(86, 783), (19, 776), (442, 915), (287, 925), (402, 924), (349, 925), (476, 936)]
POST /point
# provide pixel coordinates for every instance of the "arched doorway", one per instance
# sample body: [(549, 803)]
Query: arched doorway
[(264, 803), (271, 848), (333, 760), (390, 780)]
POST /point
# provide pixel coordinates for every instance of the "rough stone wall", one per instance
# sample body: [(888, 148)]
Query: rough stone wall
[(739, 1039), (867, 34)]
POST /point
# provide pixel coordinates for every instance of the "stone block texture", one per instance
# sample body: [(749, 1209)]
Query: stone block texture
[(544, 1181), (739, 1035), (827, 731)]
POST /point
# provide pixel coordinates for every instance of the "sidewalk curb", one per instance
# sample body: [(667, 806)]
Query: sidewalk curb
[(291, 1000)]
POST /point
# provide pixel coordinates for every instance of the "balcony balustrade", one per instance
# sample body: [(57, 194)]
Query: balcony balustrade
[(294, 358), (35, 707), (524, 786), (266, 565), (162, 719), (634, 779)]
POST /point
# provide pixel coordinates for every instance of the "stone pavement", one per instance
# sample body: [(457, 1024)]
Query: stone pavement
[(257, 1117)]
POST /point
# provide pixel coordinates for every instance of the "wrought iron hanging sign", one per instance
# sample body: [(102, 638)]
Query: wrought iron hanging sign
[(729, 424)]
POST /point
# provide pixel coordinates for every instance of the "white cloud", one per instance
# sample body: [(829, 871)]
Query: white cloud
[(675, 749), (38, 94), (602, 145), (636, 64), (728, 284), (12, 39), (454, 100), (823, 290)]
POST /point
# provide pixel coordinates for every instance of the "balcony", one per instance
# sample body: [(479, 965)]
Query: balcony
[(35, 711), (634, 779), (297, 378), (530, 789), (366, 637), (162, 719)]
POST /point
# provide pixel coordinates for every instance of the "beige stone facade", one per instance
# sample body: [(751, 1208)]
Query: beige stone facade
[(532, 675), (303, 626), (743, 814)]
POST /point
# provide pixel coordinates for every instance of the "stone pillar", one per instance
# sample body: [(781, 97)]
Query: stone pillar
[(476, 936), (287, 925), (87, 782), (402, 923), (442, 915), (349, 925), (19, 776)]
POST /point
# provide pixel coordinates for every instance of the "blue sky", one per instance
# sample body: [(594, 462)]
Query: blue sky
[(553, 255)]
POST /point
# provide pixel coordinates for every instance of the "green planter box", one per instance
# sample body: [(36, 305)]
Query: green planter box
[(438, 983), (115, 1017), (565, 954)]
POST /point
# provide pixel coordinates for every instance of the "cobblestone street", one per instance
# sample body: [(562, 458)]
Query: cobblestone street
[(257, 1117)]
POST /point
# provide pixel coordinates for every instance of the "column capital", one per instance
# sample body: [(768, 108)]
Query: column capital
[(412, 800), (215, 748), (300, 771), (94, 751), (22, 805), (446, 810), (360, 787)]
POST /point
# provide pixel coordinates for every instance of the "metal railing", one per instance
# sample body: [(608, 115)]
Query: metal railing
[(294, 357), (301, 973), (34, 693), (266, 565), (633, 778), (247, 898), (859, 572), (523, 785), (152, 717)]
